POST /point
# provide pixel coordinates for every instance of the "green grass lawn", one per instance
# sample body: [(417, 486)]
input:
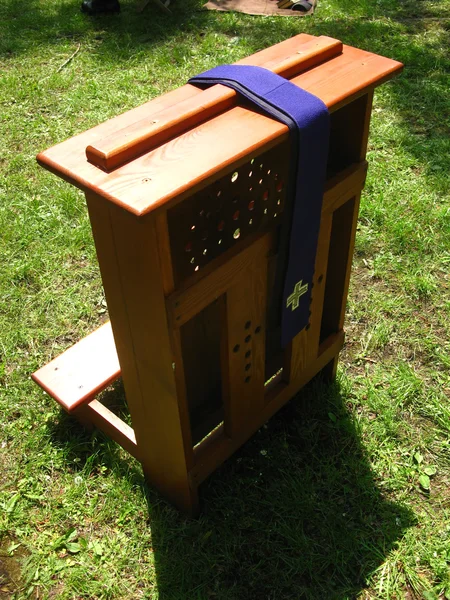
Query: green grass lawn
[(345, 493)]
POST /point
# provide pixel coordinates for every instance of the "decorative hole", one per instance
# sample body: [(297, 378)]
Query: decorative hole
[(219, 193), (247, 379), (251, 205), (248, 366), (268, 172), (192, 260), (250, 189), (258, 329), (275, 215), (192, 227), (261, 166), (237, 234), (201, 213), (280, 186), (248, 354), (188, 247), (265, 211), (205, 251), (320, 279), (236, 215), (252, 161), (221, 226), (278, 202), (248, 338), (250, 173), (234, 176), (260, 182), (236, 348), (266, 195), (219, 242), (250, 222), (248, 325)]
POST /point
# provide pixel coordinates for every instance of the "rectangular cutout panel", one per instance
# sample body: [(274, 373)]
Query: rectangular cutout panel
[(200, 344), (338, 259)]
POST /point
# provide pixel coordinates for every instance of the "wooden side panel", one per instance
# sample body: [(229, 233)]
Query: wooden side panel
[(128, 257), (244, 347)]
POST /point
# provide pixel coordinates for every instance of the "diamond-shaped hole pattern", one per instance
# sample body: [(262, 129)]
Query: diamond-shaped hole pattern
[(246, 200)]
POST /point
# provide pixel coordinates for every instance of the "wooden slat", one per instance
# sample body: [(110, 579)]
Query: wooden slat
[(164, 176), (125, 144), (244, 347), (82, 371), (99, 415)]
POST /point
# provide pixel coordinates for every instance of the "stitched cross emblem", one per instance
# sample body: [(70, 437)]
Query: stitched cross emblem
[(294, 299)]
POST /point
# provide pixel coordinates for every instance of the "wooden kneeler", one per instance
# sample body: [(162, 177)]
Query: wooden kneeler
[(185, 197)]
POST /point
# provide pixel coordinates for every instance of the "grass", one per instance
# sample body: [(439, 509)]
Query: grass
[(345, 493)]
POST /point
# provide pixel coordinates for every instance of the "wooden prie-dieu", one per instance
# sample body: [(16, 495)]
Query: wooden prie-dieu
[(185, 196)]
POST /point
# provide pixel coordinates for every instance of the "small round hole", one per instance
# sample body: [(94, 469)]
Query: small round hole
[(248, 354), (265, 211), (250, 222), (196, 268), (219, 193), (275, 215), (250, 173), (248, 325), (248, 338), (205, 251), (268, 172), (237, 234), (236, 215), (192, 227), (234, 176), (247, 379), (236, 348), (260, 182), (258, 329), (219, 242), (278, 202), (192, 260), (248, 366), (252, 161)]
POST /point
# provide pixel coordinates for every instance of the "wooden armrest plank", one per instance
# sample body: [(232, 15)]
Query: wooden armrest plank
[(82, 371)]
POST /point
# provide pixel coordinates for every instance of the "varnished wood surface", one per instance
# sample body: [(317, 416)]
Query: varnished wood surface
[(128, 143), (82, 371), (167, 174)]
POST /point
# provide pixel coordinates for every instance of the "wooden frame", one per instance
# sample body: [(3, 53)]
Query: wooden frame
[(187, 266)]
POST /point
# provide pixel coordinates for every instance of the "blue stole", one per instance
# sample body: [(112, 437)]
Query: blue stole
[(309, 124)]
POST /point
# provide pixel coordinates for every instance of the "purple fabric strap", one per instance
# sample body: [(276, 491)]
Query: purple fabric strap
[(308, 120)]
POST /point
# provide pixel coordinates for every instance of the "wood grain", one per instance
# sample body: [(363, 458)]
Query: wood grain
[(167, 174)]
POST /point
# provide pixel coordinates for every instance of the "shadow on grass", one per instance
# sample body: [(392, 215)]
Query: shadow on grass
[(296, 513)]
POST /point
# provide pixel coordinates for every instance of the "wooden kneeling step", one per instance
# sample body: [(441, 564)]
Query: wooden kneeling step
[(81, 372)]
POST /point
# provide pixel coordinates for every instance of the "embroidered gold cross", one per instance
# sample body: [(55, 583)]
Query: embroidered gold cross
[(294, 299)]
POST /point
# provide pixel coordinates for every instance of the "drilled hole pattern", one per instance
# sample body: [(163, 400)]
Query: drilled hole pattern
[(247, 352), (246, 200)]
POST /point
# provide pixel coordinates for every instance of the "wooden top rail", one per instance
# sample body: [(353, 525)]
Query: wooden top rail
[(159, 178), (126, 144)]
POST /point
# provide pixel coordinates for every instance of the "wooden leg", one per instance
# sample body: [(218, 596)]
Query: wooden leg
[(132, 279)]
